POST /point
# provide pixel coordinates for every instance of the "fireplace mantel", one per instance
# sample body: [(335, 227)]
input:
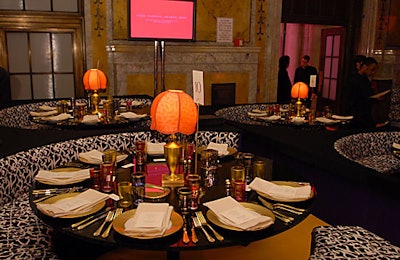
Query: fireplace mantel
[(138, 58)]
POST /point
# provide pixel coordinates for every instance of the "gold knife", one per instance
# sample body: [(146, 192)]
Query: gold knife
[(91, 217), (92, 221)]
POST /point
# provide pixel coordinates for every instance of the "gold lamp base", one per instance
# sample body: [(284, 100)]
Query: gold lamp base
[(95, 102), (298, 107), (177, 181), (172, 153)]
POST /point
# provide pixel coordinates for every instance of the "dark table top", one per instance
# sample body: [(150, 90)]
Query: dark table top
[(173, 243)]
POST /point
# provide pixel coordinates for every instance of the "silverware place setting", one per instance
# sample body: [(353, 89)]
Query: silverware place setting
[(198, 224), (203, 222)]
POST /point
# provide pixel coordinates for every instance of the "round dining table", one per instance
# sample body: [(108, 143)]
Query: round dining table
[(173, 243)]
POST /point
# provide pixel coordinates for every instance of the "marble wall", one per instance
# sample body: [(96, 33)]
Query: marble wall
[(130, 64)]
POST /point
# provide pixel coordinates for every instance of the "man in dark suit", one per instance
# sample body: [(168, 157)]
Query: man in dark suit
[(303, 74)]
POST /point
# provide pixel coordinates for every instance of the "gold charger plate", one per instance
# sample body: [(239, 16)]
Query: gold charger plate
[(231, 151), (212, 217), (56, 198), (119, 224), (120, 157), (64, 169), (156, 193), (290, 184)]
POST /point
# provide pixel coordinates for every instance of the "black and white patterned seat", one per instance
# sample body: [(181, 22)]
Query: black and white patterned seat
[(350, 242), (22, 234), (372, 150)]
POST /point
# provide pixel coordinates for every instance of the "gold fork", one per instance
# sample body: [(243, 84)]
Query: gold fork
[(108, 219), (118, 212), (197, 224), (203, 221)]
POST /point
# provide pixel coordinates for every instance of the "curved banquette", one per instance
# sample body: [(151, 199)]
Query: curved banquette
[(372, 150)]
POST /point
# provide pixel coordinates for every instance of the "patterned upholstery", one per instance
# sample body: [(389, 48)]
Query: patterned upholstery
[(239, 114), (350, 242), (372, 150), (18, 116), (23, 235)]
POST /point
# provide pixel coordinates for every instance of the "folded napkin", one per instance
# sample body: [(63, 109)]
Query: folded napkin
[(298, 120), (271, 118), (44, 113), (134, 103), (257, 113), (58, 118), (325, 120), (342, 117), (232, 213), (221, 148), (62, 177), (90, 119), (47, 108), (155, 148), (150, 220), (396, 146), (131, 115), (281, 192), (94, 156), (83, 202)]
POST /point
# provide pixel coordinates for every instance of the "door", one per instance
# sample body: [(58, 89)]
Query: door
[(331, 59)]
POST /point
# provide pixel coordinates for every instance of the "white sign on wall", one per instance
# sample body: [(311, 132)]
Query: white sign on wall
[(224, 29)]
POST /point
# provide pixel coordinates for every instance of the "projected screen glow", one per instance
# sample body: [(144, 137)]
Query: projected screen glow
[(161, 19)]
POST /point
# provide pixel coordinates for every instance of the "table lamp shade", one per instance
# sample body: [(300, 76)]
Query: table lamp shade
[(174, 111), (94, 79), (299, 90)]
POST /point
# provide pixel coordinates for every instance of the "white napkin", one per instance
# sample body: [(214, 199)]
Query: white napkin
[(271, 118), (280, 192), (257, 114), (150, 220), (131, 115), (325, 120), (90, 119), (94, 156), (62, 177), (83, 202), (45, 113), (396, 146), (47, 108), (298, 120), (342, 117), (155, 148), (221, 148), (58, 118), (134, 103), (232, 213)]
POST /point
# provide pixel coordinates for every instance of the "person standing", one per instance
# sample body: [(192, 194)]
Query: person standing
[(284, 83), (5, 90), (304, 72), (360, 100)]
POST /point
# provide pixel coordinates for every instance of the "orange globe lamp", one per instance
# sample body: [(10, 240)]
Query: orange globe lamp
[(173, 111), (299, 91), (95, 80)]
